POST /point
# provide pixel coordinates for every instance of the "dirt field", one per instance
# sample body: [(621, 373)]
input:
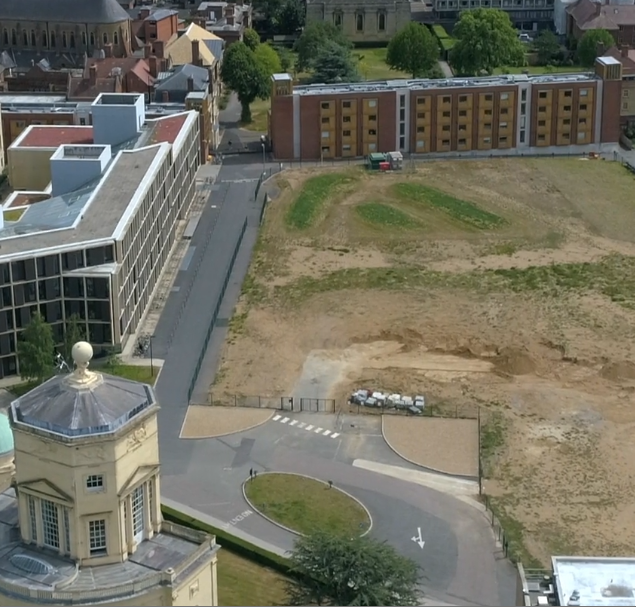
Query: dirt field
[(211, 422), (505, 284)]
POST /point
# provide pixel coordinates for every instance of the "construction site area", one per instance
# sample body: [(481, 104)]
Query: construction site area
[(501, 285)]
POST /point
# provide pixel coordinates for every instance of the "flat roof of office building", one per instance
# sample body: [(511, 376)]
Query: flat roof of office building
[(598, 581), (55, 136)]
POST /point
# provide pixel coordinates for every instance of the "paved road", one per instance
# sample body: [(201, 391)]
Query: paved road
[(460, 561)]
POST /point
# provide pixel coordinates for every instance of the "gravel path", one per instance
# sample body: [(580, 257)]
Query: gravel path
[(445, 445), (211, 422)]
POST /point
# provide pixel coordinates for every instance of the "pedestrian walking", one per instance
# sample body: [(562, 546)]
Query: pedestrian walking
[(251, 473)]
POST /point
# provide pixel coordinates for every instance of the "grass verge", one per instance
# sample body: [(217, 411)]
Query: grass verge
[(259, 110), (383, 215), (133, 372), (314, 194), (460, 210), (491, 439), (372, 64), (612, 277), (306, 505)]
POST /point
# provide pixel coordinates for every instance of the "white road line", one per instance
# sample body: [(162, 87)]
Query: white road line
[(335, 435), (276, 417), (293, 422), (318, 430), (302, 425), (284, 420), (326, 433), (309, 428)]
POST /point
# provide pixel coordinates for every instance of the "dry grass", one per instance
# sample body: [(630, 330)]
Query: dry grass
[(530, 317)]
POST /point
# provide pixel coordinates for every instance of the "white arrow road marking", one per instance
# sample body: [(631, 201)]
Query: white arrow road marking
[(293, 422), (276, 417), (284, 420), (335, 435), (418, 538)]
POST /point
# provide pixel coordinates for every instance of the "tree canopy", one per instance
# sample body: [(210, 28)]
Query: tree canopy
[(335, 570), (334, 63), (251, 39), (413, 50), (547, 47), (279, 16), (73, 332), (36, 349), (313, 38), (268, 59), (243, 73), (592, 44), (486, 40)]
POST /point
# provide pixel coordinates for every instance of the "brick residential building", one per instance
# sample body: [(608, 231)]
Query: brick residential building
[(616, 18), (627, 57), (513, 114), (151, 26)]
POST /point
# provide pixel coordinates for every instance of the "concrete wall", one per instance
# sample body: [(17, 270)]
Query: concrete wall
[(71, 172), (117, 118), (29, 168)]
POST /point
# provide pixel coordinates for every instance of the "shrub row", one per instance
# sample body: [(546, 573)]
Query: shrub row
[(446, 42), (229, 541)]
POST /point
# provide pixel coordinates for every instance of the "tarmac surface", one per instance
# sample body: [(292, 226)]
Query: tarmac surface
[(460, 560)]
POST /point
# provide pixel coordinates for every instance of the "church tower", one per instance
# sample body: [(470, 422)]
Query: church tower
[(87, 488)]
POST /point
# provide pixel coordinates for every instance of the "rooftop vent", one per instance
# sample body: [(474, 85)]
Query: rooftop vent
[(31, 565)]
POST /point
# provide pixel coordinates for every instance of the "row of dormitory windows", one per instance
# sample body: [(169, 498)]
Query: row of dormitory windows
[(48, 289), (99, 332), (68, 40), (361, 20)]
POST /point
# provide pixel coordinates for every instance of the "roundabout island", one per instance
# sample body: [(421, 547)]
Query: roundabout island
[(304, 505)]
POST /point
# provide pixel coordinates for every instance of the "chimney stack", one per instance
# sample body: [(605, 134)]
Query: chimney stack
[(144, 12), (160, 49), (153, 66), (190, 84), (624, 51), (196, 60), (147, 50), (108, 49), (92, 74), (165, 97)]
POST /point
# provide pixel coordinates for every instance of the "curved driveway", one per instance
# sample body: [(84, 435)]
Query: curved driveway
[(460, 561)]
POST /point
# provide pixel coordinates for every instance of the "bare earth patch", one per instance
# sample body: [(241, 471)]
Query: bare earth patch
[(549, 354), (444, 445), (210, 422)]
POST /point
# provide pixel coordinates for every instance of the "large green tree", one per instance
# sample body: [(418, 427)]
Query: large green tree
[(413, 50), (290, 17), (36, 349), (313, 38), (592, 44), (547, 47), (334, 63), (486, 40), (73, 332), (334, 570), (251, 39), (268, 59), (242, 73)]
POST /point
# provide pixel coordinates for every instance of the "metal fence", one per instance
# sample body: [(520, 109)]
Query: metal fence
[(507, 547), (281, 403), (217, 307), (448, 412)]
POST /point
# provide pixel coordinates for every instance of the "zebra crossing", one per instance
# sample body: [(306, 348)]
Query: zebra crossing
[(305, 426)]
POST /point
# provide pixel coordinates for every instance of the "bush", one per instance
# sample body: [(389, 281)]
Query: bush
[(229, 541), (445, 41)]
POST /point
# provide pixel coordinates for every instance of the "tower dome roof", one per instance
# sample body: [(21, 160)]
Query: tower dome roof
[(6, 435)]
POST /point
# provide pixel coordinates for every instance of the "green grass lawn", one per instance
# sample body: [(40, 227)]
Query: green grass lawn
[(243, 582), (541, 69), (134, 372), (259, 110), (305, 505), (383, 215), (460, 210), (315, 192), (372, 65)]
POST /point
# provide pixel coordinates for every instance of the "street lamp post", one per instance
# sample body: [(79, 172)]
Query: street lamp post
[(263, 148), (152, 366)]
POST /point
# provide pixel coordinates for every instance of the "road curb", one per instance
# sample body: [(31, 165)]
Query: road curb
[(313, 478), (463, 477), (246, 429)]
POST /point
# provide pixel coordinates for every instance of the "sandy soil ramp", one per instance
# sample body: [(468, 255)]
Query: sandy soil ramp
[(204, 421)]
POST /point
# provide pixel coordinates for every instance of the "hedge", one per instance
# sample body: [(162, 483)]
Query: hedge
[(229, 541), (446, 42)]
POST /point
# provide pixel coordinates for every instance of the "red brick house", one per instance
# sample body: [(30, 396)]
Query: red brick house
[(617, 19)]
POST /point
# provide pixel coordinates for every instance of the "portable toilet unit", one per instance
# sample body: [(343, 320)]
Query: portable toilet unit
[(374, 160), (396, 160)]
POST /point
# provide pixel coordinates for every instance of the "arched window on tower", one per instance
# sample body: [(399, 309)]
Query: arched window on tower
[(105, 38), (92, 39), (115, 38), (381, 21), (45, 40), (25, 38), (72, 40), (53, 40), (64, 40), (14, 38), (5, 37), (33, 38), (359, 22), (84, 39)]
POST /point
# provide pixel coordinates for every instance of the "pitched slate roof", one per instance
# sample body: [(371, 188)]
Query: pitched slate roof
[(66, 11), (591, 15), (178, 79)]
